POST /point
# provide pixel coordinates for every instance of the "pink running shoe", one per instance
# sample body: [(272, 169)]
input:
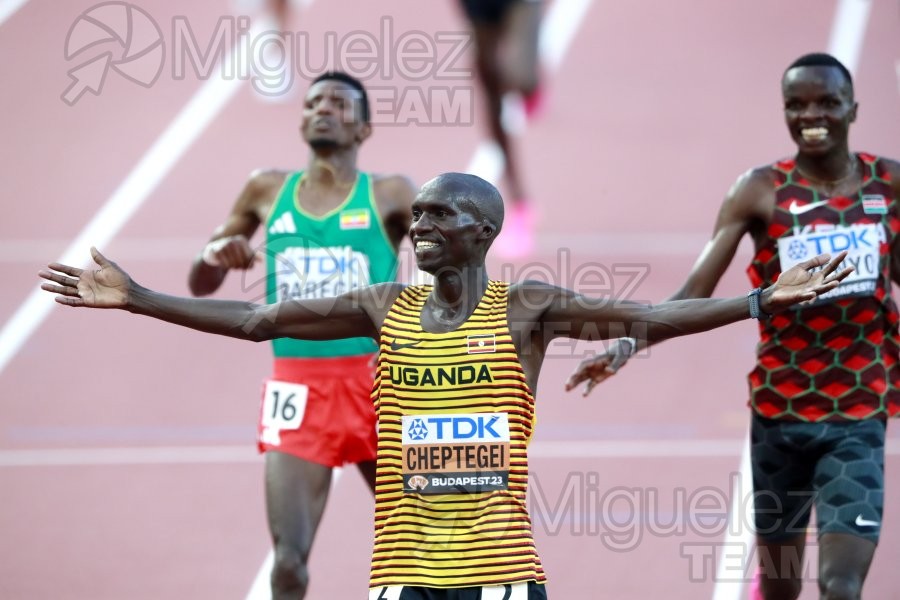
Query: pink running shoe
[(517, 236), (534, 103), (754, 592)]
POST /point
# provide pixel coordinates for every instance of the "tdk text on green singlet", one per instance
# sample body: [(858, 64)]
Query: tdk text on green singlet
[(319, 257)]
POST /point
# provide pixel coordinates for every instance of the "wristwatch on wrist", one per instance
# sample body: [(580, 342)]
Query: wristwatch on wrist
[(632, 345), (756, 312)]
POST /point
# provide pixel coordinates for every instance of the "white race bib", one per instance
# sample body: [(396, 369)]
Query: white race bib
[(455, 453), (863, 243), (284, 405), (319, 272)]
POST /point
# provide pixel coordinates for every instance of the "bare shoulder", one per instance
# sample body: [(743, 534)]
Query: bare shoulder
[(378, 299), (534, 296), (753, 193), (754, 181), (267, 181), (394, 192), (261, 191), (893, 168)]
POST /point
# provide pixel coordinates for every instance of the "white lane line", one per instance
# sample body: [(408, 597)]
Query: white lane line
[(153, 167), (245, 454), (261, 588), (848, 31), (558, 29), (172, 455), (151, 455), (9, 7), (739, 534), (35, 250), (633, 244), (635, 449), (897, 68)]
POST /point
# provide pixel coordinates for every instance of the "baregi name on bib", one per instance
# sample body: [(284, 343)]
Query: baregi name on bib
[(455, 453), (863, 243)]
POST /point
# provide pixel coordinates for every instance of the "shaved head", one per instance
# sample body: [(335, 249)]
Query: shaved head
[(478, 196), (820, 59)]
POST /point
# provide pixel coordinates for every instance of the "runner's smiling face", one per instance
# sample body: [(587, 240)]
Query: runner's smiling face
[(818, 108), (332, 116), (445, 231)]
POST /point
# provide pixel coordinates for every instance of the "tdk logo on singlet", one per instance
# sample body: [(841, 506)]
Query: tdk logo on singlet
[(463, 428), (828, 238), (857, 238), (479, 427), (418, 430), (862, 243)]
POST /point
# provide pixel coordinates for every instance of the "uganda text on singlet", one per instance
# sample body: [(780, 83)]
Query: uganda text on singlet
[(455, 415)]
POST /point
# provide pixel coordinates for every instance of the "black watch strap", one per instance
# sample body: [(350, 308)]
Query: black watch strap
[(756, 311)]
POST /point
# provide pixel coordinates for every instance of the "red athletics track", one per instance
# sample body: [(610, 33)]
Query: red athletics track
[(650, 93)]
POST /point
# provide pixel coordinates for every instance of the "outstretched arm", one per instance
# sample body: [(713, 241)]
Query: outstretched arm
[(348, 315), (572, 315), (747, 208)]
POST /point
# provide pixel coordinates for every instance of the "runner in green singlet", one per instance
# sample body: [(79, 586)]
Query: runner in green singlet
[(328, 230)]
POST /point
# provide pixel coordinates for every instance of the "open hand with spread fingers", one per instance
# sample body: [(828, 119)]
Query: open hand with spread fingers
[(599, 368), (804, 282), (107, 287), (801, 283)]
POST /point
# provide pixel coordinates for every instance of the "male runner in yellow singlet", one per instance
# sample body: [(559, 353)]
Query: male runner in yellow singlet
[(458, 364)]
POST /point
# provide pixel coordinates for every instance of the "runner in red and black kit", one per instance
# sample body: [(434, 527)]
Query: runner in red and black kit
[(826, 376)]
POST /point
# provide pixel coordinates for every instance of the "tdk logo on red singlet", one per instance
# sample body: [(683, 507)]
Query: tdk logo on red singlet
[(838, 241)]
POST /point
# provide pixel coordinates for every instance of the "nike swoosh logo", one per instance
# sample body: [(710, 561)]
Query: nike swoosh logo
[(797, 209), (395, 346), (860, 522)]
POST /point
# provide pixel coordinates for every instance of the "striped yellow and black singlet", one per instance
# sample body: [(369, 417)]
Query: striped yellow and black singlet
[(467, 538)]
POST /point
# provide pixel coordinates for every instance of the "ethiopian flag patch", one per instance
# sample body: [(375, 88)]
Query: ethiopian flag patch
[(358, 218)]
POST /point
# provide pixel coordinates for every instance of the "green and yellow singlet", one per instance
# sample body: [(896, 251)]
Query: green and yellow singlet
[(311, 256)]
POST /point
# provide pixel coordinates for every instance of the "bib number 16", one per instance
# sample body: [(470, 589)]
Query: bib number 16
[(284, 405)]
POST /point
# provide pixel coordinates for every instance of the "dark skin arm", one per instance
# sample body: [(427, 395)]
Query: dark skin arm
[(894, 170), (393, 196), (540, 313), (250, 210), (747, 209), (358, 313)]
